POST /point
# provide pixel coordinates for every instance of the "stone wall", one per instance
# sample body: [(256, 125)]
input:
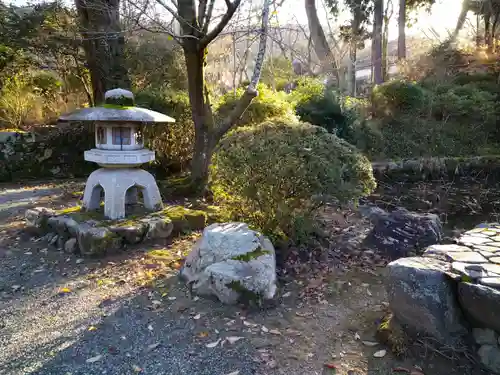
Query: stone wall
[(436, 167), (452, 293), (56, 154)]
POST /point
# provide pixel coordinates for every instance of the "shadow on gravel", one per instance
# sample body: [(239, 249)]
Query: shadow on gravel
[(130, 339)]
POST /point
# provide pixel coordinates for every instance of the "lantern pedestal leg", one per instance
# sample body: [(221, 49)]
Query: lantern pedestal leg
[(121, 186)]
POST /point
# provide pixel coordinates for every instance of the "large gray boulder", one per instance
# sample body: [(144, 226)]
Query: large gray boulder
[(422, 298), (399, 233), (481, 303), (232, 262)]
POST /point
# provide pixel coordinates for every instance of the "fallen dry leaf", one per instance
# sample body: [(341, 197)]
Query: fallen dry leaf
[(264, 329), (331, 365), (380, 353), (153, 346), (94, 359), (303, 315), (370, 343), (234, 372), (196, 317), (136, 368), (401, 369), (248, 324), (65, 290), (213, 344), (92, 328), (275, 332), (203, 334), (233, 339)]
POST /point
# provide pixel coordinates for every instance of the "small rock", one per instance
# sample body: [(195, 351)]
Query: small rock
[(15, 288), (159, 227), (71, 246), (53, 240), (484, 336), (97, 240), (490, 357)]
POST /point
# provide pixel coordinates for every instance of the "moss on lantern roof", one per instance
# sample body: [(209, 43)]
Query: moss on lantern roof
[(119, 106)]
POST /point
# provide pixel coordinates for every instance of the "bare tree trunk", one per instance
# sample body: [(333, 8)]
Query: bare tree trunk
[(378, 17), (319, 41), (461, 19), (385, 39), (103, 42), (207, 134), (494, 30), (478, 33), (402, 30), (487, 31)]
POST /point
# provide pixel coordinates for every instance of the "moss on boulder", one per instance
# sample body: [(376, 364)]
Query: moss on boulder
[(185, 219)]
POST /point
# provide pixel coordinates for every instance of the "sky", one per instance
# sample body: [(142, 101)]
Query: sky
[(443, 15)]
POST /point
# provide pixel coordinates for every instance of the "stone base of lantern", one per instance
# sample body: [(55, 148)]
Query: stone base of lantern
[(120, 186)]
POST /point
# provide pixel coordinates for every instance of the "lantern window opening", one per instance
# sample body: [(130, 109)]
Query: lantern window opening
[(101, 135), (121, 136)]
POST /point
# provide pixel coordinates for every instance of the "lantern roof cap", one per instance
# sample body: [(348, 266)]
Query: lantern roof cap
[(118, 107)]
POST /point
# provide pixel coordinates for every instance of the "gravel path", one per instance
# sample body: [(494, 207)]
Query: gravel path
[(90, 328)]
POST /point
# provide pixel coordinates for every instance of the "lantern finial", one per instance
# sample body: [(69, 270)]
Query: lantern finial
[(119, 97)]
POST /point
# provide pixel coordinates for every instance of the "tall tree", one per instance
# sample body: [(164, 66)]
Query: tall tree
[(466, 5), (378, 19), (402, 30), (385, 38), (318, 38), (103, 42), (195, 33)]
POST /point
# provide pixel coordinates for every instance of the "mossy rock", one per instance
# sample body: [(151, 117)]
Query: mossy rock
[(185, 219), (98, 241)]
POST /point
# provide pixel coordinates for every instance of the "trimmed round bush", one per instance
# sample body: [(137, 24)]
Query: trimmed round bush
[(276, 175), (397, 96)]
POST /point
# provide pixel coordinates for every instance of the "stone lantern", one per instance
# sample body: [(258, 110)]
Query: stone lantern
[(120, 152)]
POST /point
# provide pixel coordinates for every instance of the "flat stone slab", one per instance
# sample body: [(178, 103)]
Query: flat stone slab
[(495, 259), (474, 240), (493, 282), (476, 256), (489, 248)]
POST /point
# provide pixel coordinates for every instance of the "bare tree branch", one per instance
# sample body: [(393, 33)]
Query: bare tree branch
[(208, 17), (251, 91), (231, 8)]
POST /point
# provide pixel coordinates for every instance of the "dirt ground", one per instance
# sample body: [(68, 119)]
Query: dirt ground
[(129, 314)]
